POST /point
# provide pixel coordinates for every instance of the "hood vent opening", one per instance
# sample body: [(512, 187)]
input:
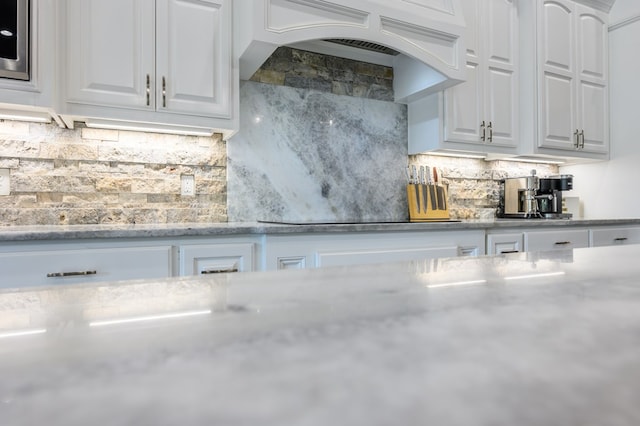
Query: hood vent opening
[(365, 45)]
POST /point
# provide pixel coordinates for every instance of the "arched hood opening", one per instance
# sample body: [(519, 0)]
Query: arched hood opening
[(421, 39)]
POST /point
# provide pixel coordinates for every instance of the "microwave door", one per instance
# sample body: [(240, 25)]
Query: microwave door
[(14, 39)]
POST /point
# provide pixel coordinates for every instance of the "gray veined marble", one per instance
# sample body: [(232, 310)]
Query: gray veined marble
[(303, 155), (525, 339)]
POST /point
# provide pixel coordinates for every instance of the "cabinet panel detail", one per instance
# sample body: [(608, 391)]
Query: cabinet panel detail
[(293, 262), (201, 259), (558, 36), (354, 257)]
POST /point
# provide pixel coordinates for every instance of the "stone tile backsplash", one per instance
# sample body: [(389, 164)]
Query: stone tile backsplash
[(474, 184), (321, 138), (307, 70), (91, 176)]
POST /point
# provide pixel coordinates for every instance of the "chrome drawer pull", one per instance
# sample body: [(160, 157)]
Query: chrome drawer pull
[(148, 90), (620, 239), (219, 271), (164, 92), (509, 251), (562, 243), (70, 274)]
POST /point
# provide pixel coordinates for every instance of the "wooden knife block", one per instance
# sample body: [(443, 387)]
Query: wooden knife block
[(421, 203)]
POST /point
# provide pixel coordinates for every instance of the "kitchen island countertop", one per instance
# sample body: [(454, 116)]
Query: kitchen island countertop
[(542, 338), (176, 230)]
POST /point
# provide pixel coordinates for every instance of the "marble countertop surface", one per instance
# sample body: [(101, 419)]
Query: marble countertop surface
[(519, 339), (61, 232)]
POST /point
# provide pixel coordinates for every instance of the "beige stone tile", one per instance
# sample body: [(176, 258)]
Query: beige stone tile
[(113, 184), (13, 128), (148, 186), (100, 134), (13, 148)]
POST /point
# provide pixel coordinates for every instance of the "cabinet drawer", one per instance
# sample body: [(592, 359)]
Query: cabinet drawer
[(199, 259), (504, 243), (614, 236), (555, 240), (68, 266)]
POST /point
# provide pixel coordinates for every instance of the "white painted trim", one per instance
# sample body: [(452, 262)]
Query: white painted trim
[(624, 23)]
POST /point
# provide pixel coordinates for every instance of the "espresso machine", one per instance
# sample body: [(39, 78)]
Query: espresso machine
[(531, 197)]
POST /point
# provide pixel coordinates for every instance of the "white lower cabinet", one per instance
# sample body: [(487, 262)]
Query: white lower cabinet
[(203, 259), (51, 264), (314, 251), (614, 236)]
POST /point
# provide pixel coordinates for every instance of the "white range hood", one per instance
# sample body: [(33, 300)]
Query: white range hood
[(425, 36)]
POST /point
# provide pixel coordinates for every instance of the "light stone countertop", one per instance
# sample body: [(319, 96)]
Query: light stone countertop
[(64, 232), (520, 339)]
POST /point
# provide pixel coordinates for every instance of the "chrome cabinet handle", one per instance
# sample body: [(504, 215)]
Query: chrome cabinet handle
[(484, 131), (490, 132), (576, 136), (562, 243), (620, 239), (70, 274), (582, 139), (219, 270), (164, 92), (148, 90)]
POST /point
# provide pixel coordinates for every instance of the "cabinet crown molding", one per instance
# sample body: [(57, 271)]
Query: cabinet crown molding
[(604, 5)]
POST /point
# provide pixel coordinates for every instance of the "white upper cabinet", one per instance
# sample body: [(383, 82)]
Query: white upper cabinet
[(573, 77), (156, 61), (483, 109), (572, 99), (35, 99), (480, 114)]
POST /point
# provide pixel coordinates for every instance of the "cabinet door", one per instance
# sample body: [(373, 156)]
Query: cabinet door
[(110, 52), (592, 76), (556, 40), (194, 57), (483, 110), (464, 102), (504, 243), (500, 79), (463, 106)]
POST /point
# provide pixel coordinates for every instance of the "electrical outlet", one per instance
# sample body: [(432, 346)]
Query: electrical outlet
[(188, 185), (5, 182)]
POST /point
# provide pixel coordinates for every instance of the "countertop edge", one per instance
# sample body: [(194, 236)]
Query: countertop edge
[(78, 232)]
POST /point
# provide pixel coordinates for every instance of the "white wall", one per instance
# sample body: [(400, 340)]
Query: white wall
[(608, 189)]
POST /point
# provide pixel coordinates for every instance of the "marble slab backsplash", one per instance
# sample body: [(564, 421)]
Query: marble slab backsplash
[(90, 176), (308, 155)]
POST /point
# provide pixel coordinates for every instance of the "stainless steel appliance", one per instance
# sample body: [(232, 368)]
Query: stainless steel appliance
[(531, 197), (14, 39)]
